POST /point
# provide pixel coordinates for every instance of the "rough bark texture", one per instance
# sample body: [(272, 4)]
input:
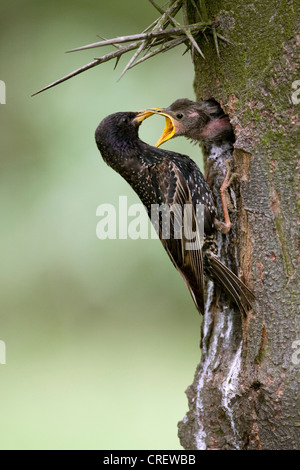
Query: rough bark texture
[(245, 393)]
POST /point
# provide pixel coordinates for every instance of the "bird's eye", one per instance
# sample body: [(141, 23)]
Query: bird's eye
[(179, 116), (124, 120)]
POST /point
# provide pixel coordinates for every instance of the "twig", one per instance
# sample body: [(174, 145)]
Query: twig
[(163, 34), (135, 55), (70, 75), (224, 39), (141, 36), (216, 40), (190, 36), (88, 66), (164, 48)]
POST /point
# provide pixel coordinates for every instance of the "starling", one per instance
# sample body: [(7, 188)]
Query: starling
[(206, 123), (202, 121), (161, 177)]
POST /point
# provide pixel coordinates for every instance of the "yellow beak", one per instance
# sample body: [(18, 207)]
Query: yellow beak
[(143, 115), (169, 130)]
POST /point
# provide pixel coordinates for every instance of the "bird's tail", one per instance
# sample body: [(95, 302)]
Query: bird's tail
[(240, 293)]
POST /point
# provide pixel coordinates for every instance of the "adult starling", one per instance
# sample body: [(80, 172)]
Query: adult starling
[(161, 177), (206, 123)]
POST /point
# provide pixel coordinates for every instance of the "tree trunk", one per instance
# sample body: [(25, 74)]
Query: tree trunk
[(245, 393)]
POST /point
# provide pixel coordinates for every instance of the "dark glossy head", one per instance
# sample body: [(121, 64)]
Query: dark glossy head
[(117, 130)]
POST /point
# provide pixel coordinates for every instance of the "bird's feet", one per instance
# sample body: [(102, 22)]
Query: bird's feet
[(225, 226)]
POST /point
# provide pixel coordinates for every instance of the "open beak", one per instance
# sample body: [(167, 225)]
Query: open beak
[(170, 128), (144, 115)]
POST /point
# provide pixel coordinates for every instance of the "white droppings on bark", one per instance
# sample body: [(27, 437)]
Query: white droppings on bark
[(207, 320), (230, 387)]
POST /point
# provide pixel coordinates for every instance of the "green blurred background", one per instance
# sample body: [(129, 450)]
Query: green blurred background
[(102, 337)]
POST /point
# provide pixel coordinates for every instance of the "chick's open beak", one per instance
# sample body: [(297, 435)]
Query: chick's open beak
[(170, 128)]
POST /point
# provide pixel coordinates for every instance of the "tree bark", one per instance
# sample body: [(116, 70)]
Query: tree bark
[(245, 393)]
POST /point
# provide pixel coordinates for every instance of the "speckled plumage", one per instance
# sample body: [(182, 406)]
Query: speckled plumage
[(164, 177)]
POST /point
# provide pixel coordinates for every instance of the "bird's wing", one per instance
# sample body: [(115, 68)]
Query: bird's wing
[(183, 244)]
